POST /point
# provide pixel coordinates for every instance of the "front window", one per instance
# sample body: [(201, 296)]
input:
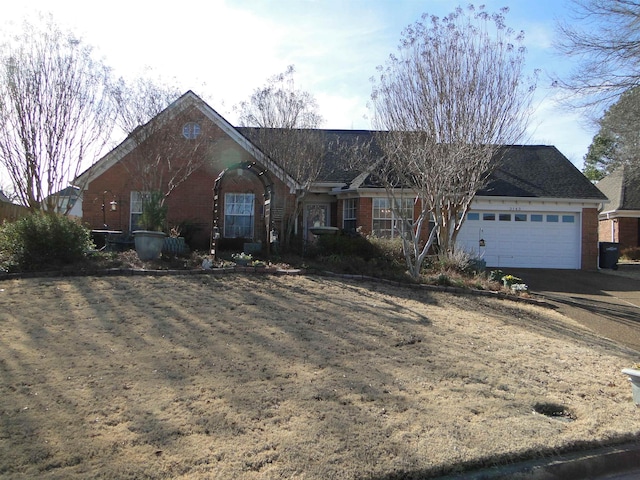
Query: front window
[(388, 223), (137, 200), (349, 215), (238, 215)]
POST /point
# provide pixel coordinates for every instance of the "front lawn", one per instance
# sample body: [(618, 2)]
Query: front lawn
[(260, 376)]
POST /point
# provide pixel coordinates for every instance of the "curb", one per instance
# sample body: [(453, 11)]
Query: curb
[(589, 464)]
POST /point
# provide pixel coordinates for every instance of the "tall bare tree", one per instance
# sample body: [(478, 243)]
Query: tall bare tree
[(452, 95), (56, 112), (164, 157), (604, 39), (285, 121)]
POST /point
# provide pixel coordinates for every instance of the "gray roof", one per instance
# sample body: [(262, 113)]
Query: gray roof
[(622, 187), (536, 171), (539, 171)]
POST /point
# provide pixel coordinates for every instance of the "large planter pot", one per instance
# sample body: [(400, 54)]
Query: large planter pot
[(174, 246), (324, 230), (148, 244), (634, 378)]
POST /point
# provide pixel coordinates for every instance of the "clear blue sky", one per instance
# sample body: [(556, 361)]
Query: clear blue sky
[(223, 49)]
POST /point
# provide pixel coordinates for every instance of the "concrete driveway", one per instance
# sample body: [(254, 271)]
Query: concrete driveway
[(606, 301)]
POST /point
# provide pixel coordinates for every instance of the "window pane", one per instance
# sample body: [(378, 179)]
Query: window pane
[(536, 218), (552, 218), (382, 228), (520, 217), (490, 217), (349, 226), (349, 215), (388, 222), (349, 209), (238, 218), (473, 216), (505, 217), (568, 219)]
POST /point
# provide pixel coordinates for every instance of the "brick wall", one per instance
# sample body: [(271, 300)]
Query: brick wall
[(192, 200), (590, 227), (628, 232), (604, 230), (622, 230), (364, 215)]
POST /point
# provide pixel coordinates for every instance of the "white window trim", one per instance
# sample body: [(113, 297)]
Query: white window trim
[(407, 203)]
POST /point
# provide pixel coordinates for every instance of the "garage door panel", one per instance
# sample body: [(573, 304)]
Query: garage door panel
[(525, 244)]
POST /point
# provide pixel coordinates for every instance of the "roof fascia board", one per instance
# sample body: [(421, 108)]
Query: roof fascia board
[(611, 214)]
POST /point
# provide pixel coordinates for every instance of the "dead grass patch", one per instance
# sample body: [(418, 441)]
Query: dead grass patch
[(290, 377)]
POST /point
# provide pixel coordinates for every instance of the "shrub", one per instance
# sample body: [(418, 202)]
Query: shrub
[(42, 240), (390, 249), (459, 261), (443, 280), (630, 253), (154, 212), (347, 246)]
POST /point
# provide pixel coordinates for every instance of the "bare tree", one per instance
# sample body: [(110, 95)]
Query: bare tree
[(164, 157), (453, 94), (603, 37), (285, 121), (56, 112)]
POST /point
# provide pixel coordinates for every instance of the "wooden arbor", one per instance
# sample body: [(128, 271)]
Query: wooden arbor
[(263, 175)]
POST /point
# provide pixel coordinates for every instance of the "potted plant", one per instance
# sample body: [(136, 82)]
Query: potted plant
[(150, 240), (174, 244), (242, 258)]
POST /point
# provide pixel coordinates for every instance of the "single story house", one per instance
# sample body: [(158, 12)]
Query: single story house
[(537, 211), (619, 220)]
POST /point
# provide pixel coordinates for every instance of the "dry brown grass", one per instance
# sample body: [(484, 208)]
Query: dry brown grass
[(290, 377)]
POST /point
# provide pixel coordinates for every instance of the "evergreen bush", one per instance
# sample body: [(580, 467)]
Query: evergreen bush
[(42, 240)]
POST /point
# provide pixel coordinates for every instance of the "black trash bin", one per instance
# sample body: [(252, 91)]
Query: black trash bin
[(609, 253)]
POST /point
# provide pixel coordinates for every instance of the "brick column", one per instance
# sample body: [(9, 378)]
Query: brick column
[(589, 260)]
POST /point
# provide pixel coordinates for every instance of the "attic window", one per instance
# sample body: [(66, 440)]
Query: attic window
[(190, 130)]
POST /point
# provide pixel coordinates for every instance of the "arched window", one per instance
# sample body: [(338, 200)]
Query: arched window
[(190, 130)]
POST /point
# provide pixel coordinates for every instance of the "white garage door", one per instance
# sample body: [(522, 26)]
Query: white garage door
[(523, 239)]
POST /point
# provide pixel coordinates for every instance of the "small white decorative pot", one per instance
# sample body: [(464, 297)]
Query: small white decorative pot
[(634, 378)]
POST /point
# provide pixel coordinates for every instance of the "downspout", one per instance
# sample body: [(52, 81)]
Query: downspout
[(613, 229)]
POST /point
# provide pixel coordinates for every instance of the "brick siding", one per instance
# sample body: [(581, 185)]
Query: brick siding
[(590, 226), (191, 201)]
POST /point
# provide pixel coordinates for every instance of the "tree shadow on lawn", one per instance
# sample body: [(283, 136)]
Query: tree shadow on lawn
[(113, 342), (161, 374)]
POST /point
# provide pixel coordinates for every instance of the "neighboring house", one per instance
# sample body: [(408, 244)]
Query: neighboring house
[(70, 201), (538, 210), (619, 220)]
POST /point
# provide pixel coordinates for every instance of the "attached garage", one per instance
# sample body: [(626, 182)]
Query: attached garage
[(523, 239)]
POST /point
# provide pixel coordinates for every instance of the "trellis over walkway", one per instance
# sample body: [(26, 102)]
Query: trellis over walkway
[(263, 175)]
